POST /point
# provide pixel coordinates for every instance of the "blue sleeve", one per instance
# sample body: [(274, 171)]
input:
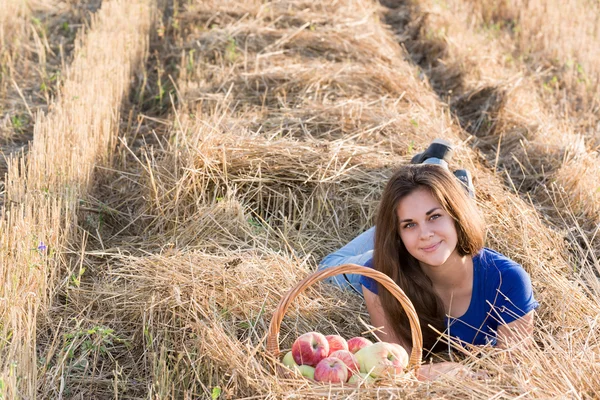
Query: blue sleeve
[(367, 282), (515, 295)]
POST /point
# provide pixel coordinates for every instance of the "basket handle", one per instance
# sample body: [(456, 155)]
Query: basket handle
[(386, 281)]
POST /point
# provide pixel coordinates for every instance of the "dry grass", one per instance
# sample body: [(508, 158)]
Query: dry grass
[(245, 193), (267, 148)]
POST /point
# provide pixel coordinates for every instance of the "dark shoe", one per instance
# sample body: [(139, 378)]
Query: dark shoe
[(439, 152), (464, 176)]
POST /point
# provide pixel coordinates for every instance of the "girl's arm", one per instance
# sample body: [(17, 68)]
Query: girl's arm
[(516, 331), (515, 307), (427, 371), (379, 320), (432, 371)]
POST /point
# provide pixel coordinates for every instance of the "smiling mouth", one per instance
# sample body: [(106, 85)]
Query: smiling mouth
[(431, 248)]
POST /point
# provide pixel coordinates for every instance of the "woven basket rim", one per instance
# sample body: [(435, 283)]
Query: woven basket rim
[(386, 281)]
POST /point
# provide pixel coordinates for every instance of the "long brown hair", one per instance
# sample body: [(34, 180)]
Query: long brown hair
[(392, 258)]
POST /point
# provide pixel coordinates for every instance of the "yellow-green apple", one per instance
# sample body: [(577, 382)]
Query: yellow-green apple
[(336, 342), (360, 377), (349, 359), (332, 370), (306, 371), (310, 348), (401, 353), (381, 359), (288, 360), (357, 343)]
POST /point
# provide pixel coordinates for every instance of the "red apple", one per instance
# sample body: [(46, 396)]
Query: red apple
[(332, 370), (310, 348), (357, 343), (336, 342), (349, 359), (381, 359)]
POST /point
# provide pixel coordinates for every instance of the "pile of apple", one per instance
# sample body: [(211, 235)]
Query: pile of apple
[(333, 359)]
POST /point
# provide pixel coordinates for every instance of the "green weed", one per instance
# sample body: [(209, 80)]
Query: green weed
[(231, 50), (18, 122), (190, 61), (96, 340), (65, 28), (551, 84), (75, 279)]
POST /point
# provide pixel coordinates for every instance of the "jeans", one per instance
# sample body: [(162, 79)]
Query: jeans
[(358, 251)]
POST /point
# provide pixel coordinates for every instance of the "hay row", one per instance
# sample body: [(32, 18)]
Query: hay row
[(14, 16), (38, 38), (43, 189)]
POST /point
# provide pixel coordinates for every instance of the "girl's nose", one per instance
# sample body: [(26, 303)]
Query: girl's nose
[(426, 233)]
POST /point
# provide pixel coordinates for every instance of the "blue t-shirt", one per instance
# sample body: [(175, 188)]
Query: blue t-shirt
[(501, 294)]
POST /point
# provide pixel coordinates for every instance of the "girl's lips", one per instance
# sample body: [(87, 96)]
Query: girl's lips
[(431, 248)]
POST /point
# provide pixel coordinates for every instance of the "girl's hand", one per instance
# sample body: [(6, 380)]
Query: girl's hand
[(431, 372)]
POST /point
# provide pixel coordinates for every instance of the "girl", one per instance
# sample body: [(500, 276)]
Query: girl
[(429, 239)]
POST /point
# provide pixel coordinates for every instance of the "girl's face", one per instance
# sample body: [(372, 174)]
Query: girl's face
[(426, 229)]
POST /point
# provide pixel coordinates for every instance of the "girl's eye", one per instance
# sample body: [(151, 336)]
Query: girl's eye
[(409, 225), (436, 216)]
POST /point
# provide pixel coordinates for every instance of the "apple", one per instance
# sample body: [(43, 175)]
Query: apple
[(357, 343), (401, 353), (349, 359), (332, 370), (288, 360), (306, 371), (336, 342), (310, 348), (381, 359), (359, 378)]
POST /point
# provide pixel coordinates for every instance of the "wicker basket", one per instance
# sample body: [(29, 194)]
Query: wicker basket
[(387, 282)]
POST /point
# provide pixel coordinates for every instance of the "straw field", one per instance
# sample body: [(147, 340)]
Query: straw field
[(185, 164)]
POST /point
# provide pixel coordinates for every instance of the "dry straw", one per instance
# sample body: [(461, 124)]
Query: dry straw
[(275, 158), (288, 119), (38, 40), (14, 15)]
